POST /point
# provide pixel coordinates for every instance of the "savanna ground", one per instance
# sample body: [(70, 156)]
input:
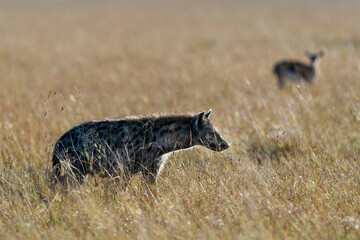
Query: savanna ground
[(292, 170)]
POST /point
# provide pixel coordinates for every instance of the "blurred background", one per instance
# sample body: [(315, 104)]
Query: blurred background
[(65, 62)]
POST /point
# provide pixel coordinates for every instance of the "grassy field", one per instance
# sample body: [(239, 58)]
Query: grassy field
[(292, 170)]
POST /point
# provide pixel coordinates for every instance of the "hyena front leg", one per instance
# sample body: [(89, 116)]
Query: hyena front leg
[(150, 172)]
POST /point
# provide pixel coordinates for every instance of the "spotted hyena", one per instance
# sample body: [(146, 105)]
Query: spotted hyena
[(124, 147)]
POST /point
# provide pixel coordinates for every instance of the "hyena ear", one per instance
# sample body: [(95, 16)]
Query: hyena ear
[(208, 114), (307, 53), (197, 121)]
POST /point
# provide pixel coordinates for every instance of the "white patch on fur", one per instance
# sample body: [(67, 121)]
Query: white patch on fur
[(172, 127), (166, 156)]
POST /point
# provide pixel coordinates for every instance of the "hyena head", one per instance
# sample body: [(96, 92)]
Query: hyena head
[(204, 133)]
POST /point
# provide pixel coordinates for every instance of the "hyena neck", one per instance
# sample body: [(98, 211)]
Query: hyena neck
[(175, 142), (175, 134)]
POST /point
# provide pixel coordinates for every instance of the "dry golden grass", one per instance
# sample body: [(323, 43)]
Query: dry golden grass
[(293, 168)]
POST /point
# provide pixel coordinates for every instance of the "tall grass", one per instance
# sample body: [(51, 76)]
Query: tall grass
[(292, 170)]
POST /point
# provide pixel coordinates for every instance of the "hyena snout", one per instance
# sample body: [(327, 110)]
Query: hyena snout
[(217, 144), (222, 146)]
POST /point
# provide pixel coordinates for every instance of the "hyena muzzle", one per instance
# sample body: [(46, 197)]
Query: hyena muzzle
[(124, 147)]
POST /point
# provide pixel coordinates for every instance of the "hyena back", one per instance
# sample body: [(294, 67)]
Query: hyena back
[(127, 146)]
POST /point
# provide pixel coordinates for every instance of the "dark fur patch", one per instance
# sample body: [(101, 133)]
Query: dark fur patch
[(137, 141), (165, 131), (178, 128), (102, 128), (156, 128), (149, 148), (147, 139), (117, 131), (122, 134)]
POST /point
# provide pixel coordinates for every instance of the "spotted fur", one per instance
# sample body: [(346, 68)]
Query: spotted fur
[(125, 147)]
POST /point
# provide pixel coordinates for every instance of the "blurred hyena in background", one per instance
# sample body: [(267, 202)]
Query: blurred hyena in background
[(122, 148), (297, 71)]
